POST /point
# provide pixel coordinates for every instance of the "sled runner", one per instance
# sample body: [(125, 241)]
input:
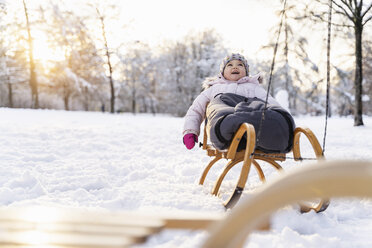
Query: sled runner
[(249, 156), (53, 227)]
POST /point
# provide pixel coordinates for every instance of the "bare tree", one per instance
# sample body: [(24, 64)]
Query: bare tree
[(367, 71), (188, 64), (353, 15), (33, 79), (137, 71), (108, 56), (14, 67), (354, 11), (293, 66), (74, 76)]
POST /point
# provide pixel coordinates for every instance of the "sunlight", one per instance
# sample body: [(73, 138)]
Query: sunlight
[(43, 52), (42, 221), (38, 239), (40, 214), (33, 237)]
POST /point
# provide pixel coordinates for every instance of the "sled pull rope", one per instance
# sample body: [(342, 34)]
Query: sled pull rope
[(271, 73), (328, 72)]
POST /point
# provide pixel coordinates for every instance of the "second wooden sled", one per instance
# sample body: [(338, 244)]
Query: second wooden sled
[(249, 156)]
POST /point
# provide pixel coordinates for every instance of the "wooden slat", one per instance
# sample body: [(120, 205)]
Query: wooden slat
[(78, 216), (137, 233), (39, 239), (78, 228), (264, 156), (74, 227), (196, 221), (191, 220)]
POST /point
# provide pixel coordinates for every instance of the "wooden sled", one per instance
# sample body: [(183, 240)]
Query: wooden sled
[(249, 156), (50, 227)]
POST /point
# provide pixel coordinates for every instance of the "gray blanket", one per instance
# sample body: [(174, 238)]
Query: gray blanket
[(226, 112)]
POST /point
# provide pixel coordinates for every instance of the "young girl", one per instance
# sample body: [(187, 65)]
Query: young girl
[(234, 78)]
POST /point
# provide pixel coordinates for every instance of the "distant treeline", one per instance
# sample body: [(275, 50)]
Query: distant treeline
[(134, 77)]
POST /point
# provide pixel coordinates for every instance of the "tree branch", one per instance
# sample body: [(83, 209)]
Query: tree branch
[(344, 10), (348, 5), (368, 9), (360, 6), (355, 6), (333, 23), (368, 19)]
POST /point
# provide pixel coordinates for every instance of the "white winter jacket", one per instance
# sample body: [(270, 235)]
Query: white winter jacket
[(247, 86)]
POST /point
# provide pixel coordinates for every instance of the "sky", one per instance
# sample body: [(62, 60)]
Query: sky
[(243, 24)]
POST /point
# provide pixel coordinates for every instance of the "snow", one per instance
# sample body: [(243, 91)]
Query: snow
[(138, 163), (282, 97), (365, 98)]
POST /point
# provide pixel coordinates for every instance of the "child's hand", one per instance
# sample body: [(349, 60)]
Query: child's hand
[(189, 140)]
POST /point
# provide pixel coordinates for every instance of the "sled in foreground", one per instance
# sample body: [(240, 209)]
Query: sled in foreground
[(249, 156), (49, 227)]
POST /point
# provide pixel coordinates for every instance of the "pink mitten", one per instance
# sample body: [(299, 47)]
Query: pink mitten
[(189, 140)]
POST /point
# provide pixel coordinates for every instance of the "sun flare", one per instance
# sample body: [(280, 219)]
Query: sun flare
[(43, 52)]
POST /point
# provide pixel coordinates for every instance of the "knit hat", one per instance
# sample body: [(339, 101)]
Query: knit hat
[(234, 56)]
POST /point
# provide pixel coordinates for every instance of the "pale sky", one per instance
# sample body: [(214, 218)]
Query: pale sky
[(243, 24)]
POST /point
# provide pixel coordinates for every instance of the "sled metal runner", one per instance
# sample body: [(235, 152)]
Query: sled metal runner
[(251, 157)]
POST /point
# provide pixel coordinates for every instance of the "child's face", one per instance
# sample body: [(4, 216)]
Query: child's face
[(234, 70)]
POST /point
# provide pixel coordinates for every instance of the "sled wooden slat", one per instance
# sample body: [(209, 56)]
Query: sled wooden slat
[(135, 232), (191, 221), (51, 239), (74, 228), (278, 156), (77, 216), (38, 226)]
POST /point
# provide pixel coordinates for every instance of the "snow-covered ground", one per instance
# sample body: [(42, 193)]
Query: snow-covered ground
[(139, 163)]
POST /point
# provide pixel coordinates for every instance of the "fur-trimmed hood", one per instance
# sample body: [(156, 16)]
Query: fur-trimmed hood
[(248, 86), (220, 79)]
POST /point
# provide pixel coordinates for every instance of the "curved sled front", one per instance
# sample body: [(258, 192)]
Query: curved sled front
[(329, 179), (245, 156), (234, 158)]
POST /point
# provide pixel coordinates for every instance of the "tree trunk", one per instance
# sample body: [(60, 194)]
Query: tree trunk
[(134, 100), (144, 105), (86, 98), (112, 100), (66, 101), (287, 64), (358, 109), (33, 79), (10, 94), (66, 95)]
